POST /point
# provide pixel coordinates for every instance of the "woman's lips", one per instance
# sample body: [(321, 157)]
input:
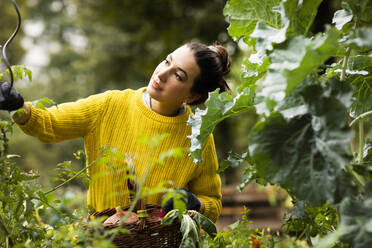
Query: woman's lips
[(155, 84)]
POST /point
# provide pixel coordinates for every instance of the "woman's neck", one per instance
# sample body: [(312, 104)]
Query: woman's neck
[(165, 109)]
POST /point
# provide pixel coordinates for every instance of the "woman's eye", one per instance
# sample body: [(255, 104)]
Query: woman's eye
[(166, 61), (178, 77)]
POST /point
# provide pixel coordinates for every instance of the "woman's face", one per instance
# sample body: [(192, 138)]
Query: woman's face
[(174, 77)]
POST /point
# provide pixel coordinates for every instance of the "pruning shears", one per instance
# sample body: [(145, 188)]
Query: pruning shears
[(8, 41)]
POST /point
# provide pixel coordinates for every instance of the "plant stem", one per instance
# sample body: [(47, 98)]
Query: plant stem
[(141, 184), (361, 117), (358, 180), (361, 140), (71, 178), (308, 237), (344, 64), (9, 241)]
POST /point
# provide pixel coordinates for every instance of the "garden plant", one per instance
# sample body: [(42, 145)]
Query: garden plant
[(312, 92)]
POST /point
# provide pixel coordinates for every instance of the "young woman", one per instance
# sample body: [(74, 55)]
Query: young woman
[(117, 119)]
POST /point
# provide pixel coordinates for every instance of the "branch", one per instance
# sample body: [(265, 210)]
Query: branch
[(71, 178), (360, 117)]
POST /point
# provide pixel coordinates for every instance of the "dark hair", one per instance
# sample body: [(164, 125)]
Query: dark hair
[(214, 64)]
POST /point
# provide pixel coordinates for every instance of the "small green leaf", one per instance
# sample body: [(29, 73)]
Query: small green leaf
[(234, 225)]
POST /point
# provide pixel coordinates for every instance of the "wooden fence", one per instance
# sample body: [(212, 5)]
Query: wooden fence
[(265, 206)]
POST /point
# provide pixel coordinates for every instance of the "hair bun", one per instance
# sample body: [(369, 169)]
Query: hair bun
[(224, 57)]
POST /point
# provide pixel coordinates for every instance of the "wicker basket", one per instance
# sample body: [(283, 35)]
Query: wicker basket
[(148, 234), (146, 231)]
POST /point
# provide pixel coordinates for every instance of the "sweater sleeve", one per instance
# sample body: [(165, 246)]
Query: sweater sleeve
[(207, 185), (65, 121)]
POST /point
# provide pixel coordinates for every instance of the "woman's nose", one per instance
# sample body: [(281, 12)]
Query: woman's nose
[(163, 74)]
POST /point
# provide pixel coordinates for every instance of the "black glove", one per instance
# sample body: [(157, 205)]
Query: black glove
[(10, 99), (193, 203)]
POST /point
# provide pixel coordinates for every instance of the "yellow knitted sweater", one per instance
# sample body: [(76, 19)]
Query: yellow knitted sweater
[(116, 119)]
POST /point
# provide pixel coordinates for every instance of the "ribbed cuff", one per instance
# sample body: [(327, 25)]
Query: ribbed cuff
[(27, 127), (208, 209)]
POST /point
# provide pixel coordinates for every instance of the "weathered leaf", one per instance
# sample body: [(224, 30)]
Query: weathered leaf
[(218, 108), (190, 233), (294, 61), (356, 217), (243, 16), (306, 153)]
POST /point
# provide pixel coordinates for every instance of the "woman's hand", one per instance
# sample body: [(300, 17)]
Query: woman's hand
[(193, 203), (10, 99)]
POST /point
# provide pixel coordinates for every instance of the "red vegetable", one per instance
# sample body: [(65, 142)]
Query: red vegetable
[(116, 218), (256, 242)]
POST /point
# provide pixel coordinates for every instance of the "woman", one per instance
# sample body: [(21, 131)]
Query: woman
[(117, 118)]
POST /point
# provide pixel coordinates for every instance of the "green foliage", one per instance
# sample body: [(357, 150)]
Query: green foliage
[(240, 235), (19, 71), (19, 197), (312, 221), (305, 153)]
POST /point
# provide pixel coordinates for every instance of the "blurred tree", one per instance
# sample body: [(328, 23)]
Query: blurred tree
[(100, 45)]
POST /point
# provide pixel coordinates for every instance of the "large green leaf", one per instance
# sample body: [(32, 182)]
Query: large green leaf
[(301, 15), (359, 75), (266, 35), (362, 9), (356, 217), (306, 153), (218, 108), (294, 61), (243, 16)]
